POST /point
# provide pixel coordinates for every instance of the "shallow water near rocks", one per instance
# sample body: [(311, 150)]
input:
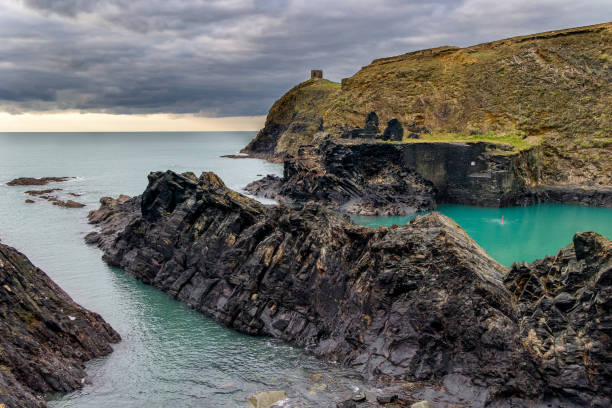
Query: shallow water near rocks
[(170, 355)]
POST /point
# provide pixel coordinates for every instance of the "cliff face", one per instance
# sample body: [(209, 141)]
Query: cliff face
[(552, 90), (294, 119), (366, 179), (44, 336), (371, 178), (420, 302)]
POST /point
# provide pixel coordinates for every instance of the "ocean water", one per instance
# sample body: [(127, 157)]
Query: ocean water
[(171, 356)]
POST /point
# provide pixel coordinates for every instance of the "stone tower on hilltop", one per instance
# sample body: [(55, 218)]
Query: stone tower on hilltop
[(316, 74)]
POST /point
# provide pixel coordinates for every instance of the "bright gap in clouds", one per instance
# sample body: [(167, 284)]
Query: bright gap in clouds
[(104, 122)]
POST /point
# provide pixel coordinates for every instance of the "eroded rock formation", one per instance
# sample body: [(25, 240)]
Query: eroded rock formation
[(45, 337), (565, 304), (368, 181), (419, 302)]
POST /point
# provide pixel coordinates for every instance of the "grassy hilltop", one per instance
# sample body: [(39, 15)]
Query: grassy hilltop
[(550, 91)]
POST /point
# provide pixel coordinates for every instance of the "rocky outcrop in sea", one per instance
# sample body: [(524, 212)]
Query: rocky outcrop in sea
[(45, 337), (412, 304)]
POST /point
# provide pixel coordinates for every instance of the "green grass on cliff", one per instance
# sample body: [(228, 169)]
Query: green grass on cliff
[(517, 140)]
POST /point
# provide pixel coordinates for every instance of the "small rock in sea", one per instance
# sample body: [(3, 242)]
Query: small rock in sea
[(31, 181), (422, 404), (68, 204), (236, 156), (29, 201), (41, 192), (266, 399), (75, 194), (359, 396)]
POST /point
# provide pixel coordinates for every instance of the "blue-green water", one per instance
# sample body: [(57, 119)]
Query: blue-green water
[(171, 356), (526, 233)]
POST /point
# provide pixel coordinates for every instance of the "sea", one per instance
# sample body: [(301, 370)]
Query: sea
[(171, 356)]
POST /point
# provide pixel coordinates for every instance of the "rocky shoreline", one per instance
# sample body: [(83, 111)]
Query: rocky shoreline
[(420, 303), (45, 337), (371, 178)]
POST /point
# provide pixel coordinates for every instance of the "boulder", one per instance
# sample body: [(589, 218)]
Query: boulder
[(68, 203), (266, 399), (394, 131), (371, 122), (422, 404)]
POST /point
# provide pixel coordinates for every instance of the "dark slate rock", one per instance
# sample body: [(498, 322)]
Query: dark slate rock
[(566, 304), (371, 122), (45, 337), (420, 302), (394, 131)]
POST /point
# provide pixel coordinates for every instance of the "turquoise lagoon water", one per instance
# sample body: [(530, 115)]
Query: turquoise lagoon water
[(171, 356), (525, 234)]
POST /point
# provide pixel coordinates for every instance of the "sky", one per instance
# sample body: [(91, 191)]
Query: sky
[(112, 65)]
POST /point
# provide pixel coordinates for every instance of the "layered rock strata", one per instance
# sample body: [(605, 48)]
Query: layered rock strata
[(45, 337), (420, 302)]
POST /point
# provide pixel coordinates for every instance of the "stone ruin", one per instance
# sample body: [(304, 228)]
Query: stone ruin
[(316, 74), (393, 132)]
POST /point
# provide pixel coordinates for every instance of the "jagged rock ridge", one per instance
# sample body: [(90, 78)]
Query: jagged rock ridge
[(420, 302)]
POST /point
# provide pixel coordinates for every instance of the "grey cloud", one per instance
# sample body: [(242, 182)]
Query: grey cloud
[(231, 57)]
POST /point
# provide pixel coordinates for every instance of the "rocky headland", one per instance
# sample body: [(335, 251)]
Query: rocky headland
[(45, 337), (523, 120), (404, 305)]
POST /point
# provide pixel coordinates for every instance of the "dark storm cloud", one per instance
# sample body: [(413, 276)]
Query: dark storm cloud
[(231, 57)]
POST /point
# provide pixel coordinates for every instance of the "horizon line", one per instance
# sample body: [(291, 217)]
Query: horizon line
[(92, 122)]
